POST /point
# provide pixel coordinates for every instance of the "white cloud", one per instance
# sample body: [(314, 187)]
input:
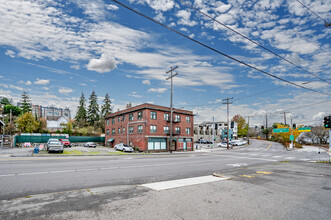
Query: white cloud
[(135, 95), (76, 67), (1, 77), (26, 83), (319, 115), (65, 90), (10, 53), (146, 82), (112, 7), (157, 90), (105, 64), (42, 81), (184, 18), (158, 5), (83, 84)]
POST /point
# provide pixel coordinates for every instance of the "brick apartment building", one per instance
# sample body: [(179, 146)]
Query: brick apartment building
[(147, 127)]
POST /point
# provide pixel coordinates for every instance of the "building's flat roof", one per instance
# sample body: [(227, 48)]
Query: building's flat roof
[(149, 106)]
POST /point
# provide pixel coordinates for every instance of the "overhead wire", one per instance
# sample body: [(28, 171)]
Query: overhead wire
[(312, 11), (252, 41), (217, 51)]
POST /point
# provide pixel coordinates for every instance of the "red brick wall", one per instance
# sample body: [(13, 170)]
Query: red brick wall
[(139, 140)]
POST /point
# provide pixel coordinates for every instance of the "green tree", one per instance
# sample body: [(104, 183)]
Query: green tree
[(26, 102), (68, 128), (106, 107), (26, 123), (5, 101), (242, 126), (93, 109), (15, 111), (81, 116)]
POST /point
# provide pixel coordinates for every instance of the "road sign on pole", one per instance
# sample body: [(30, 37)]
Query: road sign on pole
[(291, 137), (280, 130), (305, 129)]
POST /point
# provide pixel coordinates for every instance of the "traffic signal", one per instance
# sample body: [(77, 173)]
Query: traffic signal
[(327, 122), (262, 128), (294, 126)]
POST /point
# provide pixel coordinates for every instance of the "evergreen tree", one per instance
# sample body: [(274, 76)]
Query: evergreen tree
[(93, 109), (81, 111), (26, 102), (106, 107), (5, 101)]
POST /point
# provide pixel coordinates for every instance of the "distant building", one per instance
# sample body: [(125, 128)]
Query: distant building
[(55, 123), (147, 127), (44, 112), (205, 131)]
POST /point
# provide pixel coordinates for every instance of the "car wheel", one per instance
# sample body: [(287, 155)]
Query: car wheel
[(95, 146)]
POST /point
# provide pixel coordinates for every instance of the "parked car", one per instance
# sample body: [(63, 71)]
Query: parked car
[(52, 139), (235, 142), (223, 144), (55, 145), (127, 148), (202, 141), (90, 144), (119, 146), (65, 142)]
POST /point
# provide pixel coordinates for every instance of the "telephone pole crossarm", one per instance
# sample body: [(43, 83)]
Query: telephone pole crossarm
[(171, 118), (227, 102)]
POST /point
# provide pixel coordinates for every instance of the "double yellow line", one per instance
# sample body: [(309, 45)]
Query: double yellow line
[(268, 146)]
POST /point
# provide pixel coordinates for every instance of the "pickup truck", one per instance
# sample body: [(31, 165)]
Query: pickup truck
[(65, 142)]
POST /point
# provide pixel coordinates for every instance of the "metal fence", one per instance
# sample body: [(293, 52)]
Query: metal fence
[(44, 139)]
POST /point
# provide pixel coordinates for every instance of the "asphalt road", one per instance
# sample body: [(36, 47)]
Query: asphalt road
[(20, 177)]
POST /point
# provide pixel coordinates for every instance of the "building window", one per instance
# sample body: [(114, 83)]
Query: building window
[(119, 119), (153, 128), (140, 115), (166, 130), (107, 122), (107, 132), (188, 130), (177, 130), (166, 116), (153, 115), (131, 130), (131, 117), (140, 129), (113, 120), (113, 131), (123, 117), (188, 119), (177, 119), (123, 130), (119, 130)]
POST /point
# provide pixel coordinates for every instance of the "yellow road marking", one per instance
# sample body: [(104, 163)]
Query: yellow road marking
[(247, 176), (269, 146), (264, 172)]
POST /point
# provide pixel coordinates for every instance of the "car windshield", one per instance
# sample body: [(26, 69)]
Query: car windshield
[(55, 143), (65, 140)]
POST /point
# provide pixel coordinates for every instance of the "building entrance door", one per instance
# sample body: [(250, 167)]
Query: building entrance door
[(173, 145)]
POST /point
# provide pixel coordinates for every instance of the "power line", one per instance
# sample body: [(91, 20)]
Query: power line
[(312, 11), (217, 51), (254, 42)]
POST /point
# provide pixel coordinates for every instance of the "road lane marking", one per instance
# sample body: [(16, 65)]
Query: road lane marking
[(248, 176), (263, 172), (83, 170), (158, 186), (62, 171), (7, 175), (237, 164), (36, 173), (268, 146)]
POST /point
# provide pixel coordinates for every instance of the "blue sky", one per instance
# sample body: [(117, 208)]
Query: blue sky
[(54, 50)]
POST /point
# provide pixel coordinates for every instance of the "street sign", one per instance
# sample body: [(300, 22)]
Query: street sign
[(305, 129), (291, 137), (280, 130)]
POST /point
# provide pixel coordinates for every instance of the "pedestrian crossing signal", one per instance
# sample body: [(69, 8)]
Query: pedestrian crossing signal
[(262, 128)]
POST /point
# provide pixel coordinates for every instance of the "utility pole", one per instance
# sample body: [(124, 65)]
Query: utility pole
[(226, 101), (285, 118), (213, 132), (171, 77), (10, 127), (248, 130), (291, 146), (266, 126)]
